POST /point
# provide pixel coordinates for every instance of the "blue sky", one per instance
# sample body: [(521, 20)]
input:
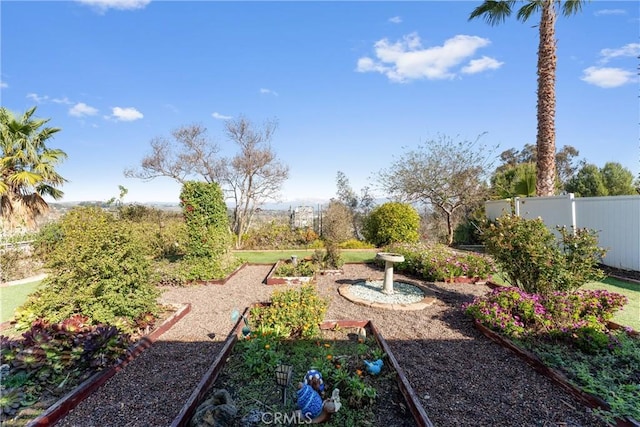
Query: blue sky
[(350, 83)]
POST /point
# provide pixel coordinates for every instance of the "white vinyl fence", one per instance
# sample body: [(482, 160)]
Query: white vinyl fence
[(616, 219)]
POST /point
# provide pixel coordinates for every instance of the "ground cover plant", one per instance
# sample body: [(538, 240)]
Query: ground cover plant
[(286, 332), (49, 360), (439, 262), (568, 331)]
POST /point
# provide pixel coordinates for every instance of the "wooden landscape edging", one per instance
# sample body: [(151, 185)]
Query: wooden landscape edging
[(183, 418), (553, 374), (221, 281), (270, 280), (69, 401)]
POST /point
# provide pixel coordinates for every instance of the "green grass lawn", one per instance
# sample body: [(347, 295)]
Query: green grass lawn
[(11, 297), (630, 314), (270, 257)]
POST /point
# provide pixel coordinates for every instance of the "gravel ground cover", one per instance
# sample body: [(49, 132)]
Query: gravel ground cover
[(461, 377)]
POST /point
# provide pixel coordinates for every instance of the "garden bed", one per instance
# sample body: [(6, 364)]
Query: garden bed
[(556, 376), (222, 281), (272, 279), (335, 329), (71, 399)]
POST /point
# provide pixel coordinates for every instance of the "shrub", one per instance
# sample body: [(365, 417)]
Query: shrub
[(46, 240), (575, 316), (97, 269), (278, 235), (355, 244), (534, 260), (439, 262), (337, 222), (293, 313), (392, 222), (208, 246), (301, 269)]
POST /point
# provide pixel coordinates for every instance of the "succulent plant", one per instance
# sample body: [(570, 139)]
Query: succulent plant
[(10, 401)]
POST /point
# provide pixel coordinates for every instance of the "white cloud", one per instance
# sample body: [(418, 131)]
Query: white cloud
[(606, 77), (128, 114), (81, 110), (64, 101), (104, 5), (407, 59), (219, 116), (631, 49), (37, 98), (3, 85), (602, 12), (482, 64), (395, 20), (268, 92)]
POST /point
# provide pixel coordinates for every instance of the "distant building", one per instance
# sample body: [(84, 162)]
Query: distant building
[(301, 217)]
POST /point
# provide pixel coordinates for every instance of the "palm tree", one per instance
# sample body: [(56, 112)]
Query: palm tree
[(27, 168), (496, 11)]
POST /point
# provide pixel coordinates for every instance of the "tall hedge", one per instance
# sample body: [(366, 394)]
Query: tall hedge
[(209, 236)]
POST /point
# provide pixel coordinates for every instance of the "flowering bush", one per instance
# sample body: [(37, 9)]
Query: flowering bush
[(579, 316), (534, 260), (438, 262), (293, 313)]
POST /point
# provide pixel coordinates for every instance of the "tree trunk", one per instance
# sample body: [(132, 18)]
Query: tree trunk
[(546, 137), (449, 227)]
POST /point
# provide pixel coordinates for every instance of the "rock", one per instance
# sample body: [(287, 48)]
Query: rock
[(252, 419), (218, 411)]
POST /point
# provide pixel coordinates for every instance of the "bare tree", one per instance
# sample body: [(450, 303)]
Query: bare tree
[(447, 174), (360, 206), (251, 177), (191, 153), (254, 175)]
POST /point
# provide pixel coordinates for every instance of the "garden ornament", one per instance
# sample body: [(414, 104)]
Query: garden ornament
[(374, 367), (309, 401), (235, 315), (328, 406), (313, 377)]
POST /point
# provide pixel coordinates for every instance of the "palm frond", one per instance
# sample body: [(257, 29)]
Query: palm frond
[(571, 7), (494, 12), (529, 9)]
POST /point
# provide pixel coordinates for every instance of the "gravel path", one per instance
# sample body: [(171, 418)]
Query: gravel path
[(462, 378)]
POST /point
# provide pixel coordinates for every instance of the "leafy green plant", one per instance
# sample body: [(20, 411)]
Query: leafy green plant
[(300, 269), (292, 313), (209, 238), (439, 262), (532, 259), (98, 269), (392, 222)]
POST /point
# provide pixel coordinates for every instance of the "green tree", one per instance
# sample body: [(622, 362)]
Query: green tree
[(617, 179), (27, 168), (447, 174), (495, 12), (392, 222), (612, 179), (518, 180), (337, 222)]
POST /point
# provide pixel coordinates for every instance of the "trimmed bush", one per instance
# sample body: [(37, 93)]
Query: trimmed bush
[(531, 257), (392, 222)]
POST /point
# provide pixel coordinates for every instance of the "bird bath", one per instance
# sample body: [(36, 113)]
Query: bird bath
[(389, 259)]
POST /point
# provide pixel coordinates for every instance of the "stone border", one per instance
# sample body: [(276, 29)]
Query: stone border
[(343, 290), (69, 401), (419, 414)]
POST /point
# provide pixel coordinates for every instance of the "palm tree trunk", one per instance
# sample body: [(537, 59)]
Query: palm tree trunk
[(546, 138)]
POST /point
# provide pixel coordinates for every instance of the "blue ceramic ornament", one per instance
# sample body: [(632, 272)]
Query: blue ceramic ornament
[(309, 401), (374, 367), (314, 379)]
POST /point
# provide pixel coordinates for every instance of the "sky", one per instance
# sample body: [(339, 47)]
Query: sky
[(352, 85)]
